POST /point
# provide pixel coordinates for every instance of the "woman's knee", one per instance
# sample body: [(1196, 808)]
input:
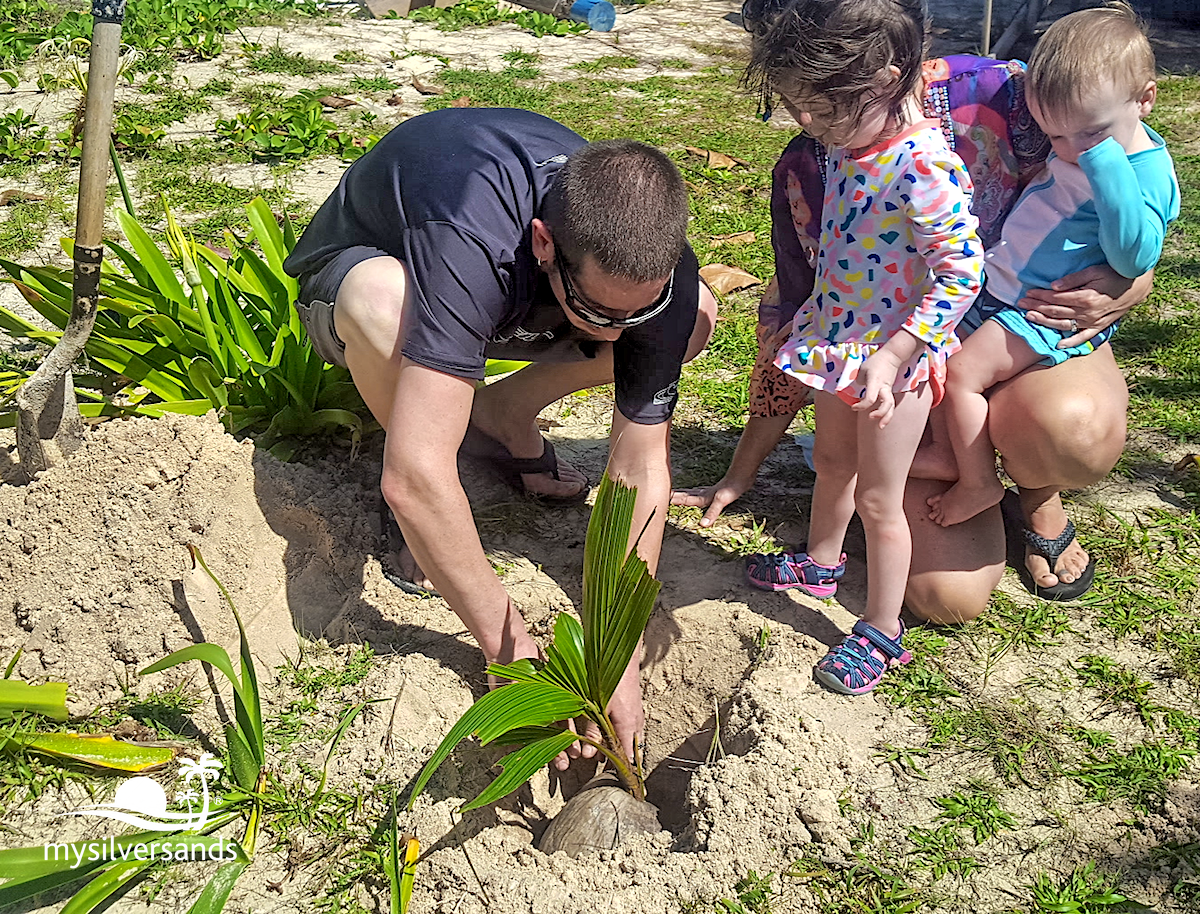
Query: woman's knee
[(1063, 426)]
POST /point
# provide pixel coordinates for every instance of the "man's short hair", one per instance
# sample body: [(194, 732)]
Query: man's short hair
[(1084, 48), (625, 204)]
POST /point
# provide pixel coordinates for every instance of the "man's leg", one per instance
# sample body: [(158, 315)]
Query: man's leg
[(507, 410), (1059, 428)]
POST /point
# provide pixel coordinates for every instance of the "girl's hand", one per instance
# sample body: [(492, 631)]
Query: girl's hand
[(1086, 302), (877, 376)]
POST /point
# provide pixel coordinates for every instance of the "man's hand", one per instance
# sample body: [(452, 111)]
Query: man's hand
[(1085, 302), (877, 376)]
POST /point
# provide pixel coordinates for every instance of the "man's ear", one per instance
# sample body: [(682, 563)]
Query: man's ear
[(1145, 101), (542, 241)]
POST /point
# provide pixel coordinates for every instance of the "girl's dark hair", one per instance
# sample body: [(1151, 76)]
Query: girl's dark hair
[(835, 49)]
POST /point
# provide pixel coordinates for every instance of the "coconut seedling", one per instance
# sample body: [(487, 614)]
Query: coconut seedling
[(579, 674)]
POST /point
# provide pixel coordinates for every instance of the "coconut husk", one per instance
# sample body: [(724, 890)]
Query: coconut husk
[(599, 817)]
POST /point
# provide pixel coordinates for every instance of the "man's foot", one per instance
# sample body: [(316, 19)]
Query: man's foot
[(411, 573), (542, 475), (961, 501)]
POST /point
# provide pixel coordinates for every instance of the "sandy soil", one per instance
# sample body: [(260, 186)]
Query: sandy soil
[(95, 583)]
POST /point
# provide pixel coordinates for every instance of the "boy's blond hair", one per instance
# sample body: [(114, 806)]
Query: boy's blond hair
[(1084, 48)]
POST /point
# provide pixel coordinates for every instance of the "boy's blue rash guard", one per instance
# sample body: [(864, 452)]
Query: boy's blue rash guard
[(1110, 208)]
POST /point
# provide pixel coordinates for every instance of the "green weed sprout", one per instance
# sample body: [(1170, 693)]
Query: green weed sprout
[(582, 667)]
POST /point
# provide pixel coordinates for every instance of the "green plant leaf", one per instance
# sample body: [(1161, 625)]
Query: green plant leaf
[(48, 699), (216, 893), (564, 658), (102, 750), (105, 886), (519, 704), (520, 765), (618, 591), (241, 759), (160, 271)]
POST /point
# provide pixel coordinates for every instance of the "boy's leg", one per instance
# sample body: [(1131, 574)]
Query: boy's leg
[(1059, 428), (990, 355), (884, 457)]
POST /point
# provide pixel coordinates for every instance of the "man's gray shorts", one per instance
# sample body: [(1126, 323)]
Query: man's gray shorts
[(318, 292)]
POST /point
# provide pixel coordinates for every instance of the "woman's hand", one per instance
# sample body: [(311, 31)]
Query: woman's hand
[(1086, 302)]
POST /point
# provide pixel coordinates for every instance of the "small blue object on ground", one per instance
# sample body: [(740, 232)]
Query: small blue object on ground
[(598, 14)]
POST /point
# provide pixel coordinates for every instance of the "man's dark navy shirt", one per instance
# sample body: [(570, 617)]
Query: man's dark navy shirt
[(452, 195)]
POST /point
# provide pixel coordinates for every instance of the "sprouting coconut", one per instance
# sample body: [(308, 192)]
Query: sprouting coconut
[(577, 679)]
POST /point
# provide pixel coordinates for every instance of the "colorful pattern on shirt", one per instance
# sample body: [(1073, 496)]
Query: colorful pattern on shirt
[(899, 251)]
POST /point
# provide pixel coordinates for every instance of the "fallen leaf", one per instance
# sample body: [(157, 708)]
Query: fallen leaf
[(463, 102), (734, 238), (11, 197), (396, 101), (545, 424), (725, 279), (1191, 461), (425, 88), (714, 159), (336, 101)]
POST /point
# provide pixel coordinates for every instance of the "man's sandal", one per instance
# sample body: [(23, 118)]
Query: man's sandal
[(857, 664), (487, 449), (1018, 536), (391, 542), (788, 570)]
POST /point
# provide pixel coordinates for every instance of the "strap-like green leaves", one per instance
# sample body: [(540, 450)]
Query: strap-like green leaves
[(519, 766), (618, 590), (509, 707)]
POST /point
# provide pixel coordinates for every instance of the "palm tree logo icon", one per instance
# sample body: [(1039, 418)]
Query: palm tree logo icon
[(141, 801)]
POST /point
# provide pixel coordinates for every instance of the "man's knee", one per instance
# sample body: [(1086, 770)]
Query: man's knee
[(370, 305), (706, 322)]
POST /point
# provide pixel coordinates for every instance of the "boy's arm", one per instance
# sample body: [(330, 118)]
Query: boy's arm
[(1133, 219)]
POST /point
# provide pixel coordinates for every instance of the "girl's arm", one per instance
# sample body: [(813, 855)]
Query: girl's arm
[(1133, 208), (945, 235)]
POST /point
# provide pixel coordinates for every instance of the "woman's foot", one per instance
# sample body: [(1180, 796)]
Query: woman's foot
[(1049, 520)]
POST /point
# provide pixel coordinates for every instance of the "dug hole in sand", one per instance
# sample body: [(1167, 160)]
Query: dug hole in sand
[(98, 584)]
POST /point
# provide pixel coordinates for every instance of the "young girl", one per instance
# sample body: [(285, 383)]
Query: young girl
[(899, 264)]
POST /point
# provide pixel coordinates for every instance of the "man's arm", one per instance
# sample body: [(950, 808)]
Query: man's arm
[(420, 481), (639, 455)]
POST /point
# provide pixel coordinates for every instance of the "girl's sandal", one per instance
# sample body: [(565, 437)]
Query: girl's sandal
[(857, 664), (788, 570)]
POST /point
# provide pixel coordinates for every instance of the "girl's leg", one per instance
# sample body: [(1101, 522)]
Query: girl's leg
[(990, 355), (884, 458), (833, 492)]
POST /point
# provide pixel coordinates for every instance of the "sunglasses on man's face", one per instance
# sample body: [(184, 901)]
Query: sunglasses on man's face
[(590, 316)]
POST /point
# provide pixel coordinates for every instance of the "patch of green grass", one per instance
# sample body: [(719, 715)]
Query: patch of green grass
[(860, 886), (24, 227), (1140, 775), (518, 57), (676, 63), (1084, 891), (277, 60), (600, 64), (173, 105), (1117, 685), (1011, 732), (351, 55), (373, 84), (939, 850), (976, 810)]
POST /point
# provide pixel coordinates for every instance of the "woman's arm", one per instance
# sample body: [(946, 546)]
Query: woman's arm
[(1087, 301)]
